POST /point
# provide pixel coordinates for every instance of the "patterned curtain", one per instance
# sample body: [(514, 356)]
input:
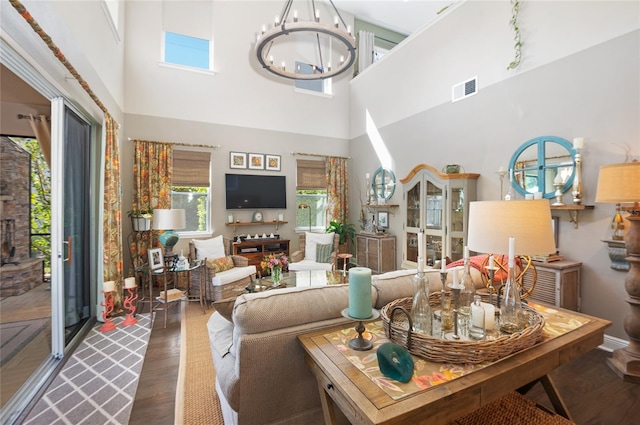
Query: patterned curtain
[(337, 189), (112, 216), (152, 170)]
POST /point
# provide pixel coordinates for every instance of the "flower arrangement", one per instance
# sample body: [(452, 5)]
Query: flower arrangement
[(272, 261)]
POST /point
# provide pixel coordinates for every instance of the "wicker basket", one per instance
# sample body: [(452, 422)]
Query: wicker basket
[(396, 328)]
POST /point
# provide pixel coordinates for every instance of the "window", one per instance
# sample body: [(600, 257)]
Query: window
[(311, 85), (311, 190), (190, 188), (187, 51)]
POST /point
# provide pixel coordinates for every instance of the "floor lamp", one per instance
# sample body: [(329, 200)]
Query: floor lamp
[(492, 223), (308, 208), (620, 184)]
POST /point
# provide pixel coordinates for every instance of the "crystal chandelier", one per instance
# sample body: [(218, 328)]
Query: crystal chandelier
[(315, 51)]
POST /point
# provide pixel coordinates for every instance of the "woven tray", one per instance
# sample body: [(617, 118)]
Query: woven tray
[(451, 351)]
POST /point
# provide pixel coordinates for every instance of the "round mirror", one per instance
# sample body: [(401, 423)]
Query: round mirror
[(383, 183), (540, 163)]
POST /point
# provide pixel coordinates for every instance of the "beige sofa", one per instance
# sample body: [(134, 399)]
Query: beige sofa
[(261, 376)]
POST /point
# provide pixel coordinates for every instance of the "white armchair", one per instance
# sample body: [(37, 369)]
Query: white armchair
[(317, 251)]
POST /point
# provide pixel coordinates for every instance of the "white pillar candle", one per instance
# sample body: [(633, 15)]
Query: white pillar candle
[(420, 245), (130, 282), (578, 143), (466, 252), (489, 316), (512, 243), (420, 264), (109, 286), (360, 300), (492, 263)]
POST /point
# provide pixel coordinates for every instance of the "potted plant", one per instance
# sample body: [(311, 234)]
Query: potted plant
[(141, 219), (346, 232)]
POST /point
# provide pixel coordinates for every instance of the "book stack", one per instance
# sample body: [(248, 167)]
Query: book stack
[(547, 258), (172, 295)]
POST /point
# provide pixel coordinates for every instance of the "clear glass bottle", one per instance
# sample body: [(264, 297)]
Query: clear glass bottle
[(420, 308), (468, 290), (477, 325), (510, 305)]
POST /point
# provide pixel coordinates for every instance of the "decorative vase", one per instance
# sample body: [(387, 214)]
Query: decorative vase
[(276, 275), (140, 224)]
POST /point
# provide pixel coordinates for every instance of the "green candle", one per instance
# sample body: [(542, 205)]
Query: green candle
[(360, 293)]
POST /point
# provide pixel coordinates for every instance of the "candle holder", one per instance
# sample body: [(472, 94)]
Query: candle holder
[(558, 194), (492, 273), (359, 343), (577, 180), (456, 297), (128, 304), (106, 313), (443, 278)]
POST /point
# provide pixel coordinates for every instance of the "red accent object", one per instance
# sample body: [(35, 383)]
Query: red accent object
[(129, 306), (106, 313), (480, 262)]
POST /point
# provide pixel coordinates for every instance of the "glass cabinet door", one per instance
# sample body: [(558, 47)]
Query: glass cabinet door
[(434, 197), (413, 207)]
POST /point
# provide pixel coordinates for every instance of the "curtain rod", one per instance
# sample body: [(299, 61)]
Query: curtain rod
[(35, 117), (318, 155), (214, 147)]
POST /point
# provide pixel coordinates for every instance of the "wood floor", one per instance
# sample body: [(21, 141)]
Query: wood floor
[(593, 393)]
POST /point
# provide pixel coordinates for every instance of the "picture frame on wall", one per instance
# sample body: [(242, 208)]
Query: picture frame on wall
[(237, 160), (256, 161), (383, 220), (272, 162)]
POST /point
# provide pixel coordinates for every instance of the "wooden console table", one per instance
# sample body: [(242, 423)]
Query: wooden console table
[(344, 385), (256, 249)]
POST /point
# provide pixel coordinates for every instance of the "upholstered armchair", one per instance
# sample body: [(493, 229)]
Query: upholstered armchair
[(228, 274), (317, 251)]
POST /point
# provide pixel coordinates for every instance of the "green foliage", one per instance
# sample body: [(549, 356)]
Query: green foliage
[(515, 7), (346, 231), (40, 201), (140, 213)]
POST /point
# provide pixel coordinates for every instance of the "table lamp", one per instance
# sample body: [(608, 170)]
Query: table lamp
[(492, 223), (169, 221), (620, 184)]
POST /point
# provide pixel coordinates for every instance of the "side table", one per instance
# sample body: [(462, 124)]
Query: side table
[(194, 266), (345, 258)]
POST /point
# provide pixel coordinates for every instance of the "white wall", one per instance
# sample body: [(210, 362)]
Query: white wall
[(569, 85), (239, 94)]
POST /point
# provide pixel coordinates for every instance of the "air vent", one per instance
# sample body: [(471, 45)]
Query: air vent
[(464, 89)]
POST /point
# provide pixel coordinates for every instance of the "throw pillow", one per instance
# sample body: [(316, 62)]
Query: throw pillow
[(225, 308), (221, 264), (323, 253), (209, 248), (313, 239)]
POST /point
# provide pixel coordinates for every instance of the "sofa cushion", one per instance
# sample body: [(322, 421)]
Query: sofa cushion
[(225, 307), (313, 239), (323, 252), (220, 335), (221, 264), (233, 275), (209, 248), (308, 265)]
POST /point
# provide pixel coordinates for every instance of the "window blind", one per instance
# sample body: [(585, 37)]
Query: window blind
[(311, 175), (191, 168)]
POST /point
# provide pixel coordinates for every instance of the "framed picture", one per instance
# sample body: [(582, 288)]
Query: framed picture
[(237, 160), (383, 219), (256, 161), (272, 162), (155, 258)]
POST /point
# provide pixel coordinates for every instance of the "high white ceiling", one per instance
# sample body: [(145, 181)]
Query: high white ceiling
[(403, 16)]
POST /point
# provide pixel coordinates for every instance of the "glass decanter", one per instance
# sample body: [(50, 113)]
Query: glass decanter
[(420, 308), (511, 304), (468, 290)]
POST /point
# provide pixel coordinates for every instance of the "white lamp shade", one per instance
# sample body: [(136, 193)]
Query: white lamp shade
[(492, 223), (619, 183), (169, 219)]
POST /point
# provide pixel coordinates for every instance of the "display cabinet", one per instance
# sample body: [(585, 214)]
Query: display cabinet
[(437, 205)]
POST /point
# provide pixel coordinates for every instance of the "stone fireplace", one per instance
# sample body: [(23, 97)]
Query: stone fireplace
[(19, 272)]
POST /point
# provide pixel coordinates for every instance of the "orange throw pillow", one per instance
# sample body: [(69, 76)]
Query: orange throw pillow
[(221, 264)]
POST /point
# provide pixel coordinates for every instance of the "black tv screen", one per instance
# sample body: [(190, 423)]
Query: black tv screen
[(255, 191)]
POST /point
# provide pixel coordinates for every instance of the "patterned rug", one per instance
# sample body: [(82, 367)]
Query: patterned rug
[(14, 336), (98, 383)]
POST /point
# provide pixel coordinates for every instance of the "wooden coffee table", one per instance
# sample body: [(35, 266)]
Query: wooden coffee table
[(343, 385)]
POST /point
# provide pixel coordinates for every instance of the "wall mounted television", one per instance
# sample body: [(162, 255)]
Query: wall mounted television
[(245, 191)]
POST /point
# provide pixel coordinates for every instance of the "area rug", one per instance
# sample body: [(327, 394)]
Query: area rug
[(197, 402), (97, 385), (14, 336)]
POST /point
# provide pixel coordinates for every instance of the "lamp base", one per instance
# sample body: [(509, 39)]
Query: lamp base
[(626, 364), (169, 239)]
